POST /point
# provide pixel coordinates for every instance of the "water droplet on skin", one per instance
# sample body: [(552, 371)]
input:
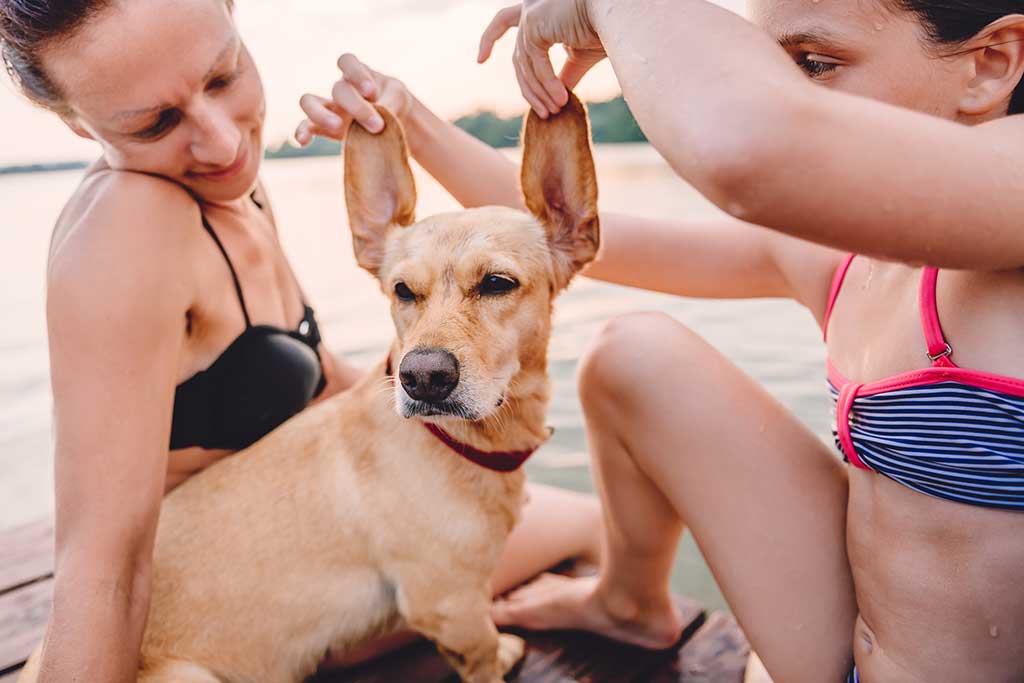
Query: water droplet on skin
[(994, 631), (879, 26)]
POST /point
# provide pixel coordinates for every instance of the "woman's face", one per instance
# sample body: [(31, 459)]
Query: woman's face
[(167, 87), (863, 47)]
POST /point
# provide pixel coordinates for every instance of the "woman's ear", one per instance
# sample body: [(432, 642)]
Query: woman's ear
[(997, 57)]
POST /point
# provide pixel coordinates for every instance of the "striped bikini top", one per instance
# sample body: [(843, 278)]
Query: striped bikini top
[(944, 431)]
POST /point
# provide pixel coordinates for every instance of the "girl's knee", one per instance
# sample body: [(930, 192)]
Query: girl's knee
[(631, 351)]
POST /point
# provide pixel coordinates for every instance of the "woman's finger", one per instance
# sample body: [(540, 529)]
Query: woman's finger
[(304, 133), (499, 26), (307, 130), (316, 109), (346, 97), (358, 74)]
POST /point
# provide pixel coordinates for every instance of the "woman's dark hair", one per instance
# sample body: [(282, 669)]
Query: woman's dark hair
[(28, 27), (954, 22)]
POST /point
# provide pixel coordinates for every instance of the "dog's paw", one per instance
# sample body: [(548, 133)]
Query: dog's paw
[(510, 650)]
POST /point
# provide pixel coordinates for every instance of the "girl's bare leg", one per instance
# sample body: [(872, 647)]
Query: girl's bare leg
[(678, 432), (556, 525)]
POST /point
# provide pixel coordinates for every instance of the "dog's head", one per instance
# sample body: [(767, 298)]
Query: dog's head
[(471, 291)]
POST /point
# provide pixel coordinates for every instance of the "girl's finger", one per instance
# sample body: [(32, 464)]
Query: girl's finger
[(547, 85), (320, 115), (499, 26), (528, 91), (346, 97), (358, 74)]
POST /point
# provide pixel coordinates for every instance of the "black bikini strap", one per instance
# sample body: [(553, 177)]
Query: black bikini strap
[(231, 267)]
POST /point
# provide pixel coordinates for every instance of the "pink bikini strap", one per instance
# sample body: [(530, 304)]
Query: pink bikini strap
[(837, 284), (939, 349)]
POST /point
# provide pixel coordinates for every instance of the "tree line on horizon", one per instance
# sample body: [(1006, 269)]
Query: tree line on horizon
[(610, 122)]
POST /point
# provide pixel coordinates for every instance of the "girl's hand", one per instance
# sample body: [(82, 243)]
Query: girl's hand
[(350, 100), (542, 24)]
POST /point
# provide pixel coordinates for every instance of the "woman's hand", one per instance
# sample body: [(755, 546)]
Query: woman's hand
[(542, 24), (352, 99)]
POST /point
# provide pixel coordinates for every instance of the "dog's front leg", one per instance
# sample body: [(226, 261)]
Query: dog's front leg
[(458, 620)]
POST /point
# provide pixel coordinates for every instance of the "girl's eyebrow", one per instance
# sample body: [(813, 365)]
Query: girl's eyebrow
[(812, 35), (227, 49)]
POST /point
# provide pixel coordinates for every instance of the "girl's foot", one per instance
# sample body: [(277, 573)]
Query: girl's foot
[(559, 602)]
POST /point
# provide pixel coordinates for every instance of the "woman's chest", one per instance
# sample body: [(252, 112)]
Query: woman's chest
[(242, 280)]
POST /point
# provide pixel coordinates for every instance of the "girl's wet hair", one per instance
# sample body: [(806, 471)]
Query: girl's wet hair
[(954, 22), (28, 27)]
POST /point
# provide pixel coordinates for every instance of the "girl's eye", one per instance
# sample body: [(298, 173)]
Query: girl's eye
[(168, 119), (493, 285), (403, 292), (815, 65)]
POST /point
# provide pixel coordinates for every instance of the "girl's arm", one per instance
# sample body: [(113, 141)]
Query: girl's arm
[(116, 305), (718, 258), (737, 119)]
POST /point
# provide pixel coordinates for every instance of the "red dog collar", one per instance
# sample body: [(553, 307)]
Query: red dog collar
[(497, 461)]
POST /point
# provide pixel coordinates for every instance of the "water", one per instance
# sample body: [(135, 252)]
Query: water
[(776, 342)]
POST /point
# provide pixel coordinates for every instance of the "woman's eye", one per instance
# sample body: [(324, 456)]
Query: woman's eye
[(222, 82), (403, 292), (497, 284), (816, 66), (167, 120)]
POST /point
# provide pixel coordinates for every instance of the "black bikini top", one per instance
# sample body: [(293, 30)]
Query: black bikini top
[(264, 377)]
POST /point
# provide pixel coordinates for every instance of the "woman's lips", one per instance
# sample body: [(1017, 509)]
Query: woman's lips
[(231, 171)]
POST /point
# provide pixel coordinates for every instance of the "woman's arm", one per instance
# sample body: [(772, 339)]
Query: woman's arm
[(718, 258), (737, 119), (116, 303)]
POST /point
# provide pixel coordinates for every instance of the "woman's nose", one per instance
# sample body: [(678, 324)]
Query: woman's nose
[(216, 138)]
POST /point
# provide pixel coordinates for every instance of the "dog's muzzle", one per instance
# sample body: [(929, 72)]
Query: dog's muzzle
[(429, 375)]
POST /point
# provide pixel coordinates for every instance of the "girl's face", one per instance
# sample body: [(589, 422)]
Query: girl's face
[(864, 48), (166, 87)]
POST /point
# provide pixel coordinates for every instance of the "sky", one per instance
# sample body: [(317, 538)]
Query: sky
[(430, 44)]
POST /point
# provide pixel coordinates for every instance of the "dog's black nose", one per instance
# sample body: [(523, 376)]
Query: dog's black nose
[(429, 375)]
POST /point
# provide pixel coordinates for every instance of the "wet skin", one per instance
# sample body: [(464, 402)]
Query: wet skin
[(937, 582)]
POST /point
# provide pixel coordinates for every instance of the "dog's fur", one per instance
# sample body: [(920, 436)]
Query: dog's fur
[(352, 519)]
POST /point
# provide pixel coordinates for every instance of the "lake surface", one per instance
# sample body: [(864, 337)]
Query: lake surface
[(777, 342)]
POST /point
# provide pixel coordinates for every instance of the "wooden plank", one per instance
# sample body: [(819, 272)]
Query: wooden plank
[(551, 657), (26, 554), (23, 616), (716, 654)]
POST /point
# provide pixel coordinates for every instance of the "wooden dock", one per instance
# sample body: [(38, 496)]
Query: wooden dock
[(712, 649)]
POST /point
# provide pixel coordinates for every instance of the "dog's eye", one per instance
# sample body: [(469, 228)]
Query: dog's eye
[(497, 284), (403, 292)]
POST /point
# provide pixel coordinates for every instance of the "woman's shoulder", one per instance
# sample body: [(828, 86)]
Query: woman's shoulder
[(124, 229)]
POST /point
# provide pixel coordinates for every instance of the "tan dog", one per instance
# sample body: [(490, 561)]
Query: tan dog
[(353, 518)]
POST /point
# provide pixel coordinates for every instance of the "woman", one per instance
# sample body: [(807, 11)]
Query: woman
[(178, 333), (898, 142)]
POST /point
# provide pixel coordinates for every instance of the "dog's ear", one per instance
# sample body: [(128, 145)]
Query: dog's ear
[(379, 189), (560, 185)]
